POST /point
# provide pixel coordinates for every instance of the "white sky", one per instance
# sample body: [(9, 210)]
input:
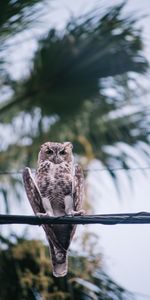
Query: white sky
[(126, 247)]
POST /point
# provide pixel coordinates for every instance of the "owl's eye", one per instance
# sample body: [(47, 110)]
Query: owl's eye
[(62, 152), (49, 151)]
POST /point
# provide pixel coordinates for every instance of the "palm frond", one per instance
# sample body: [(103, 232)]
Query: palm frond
[(68, 66)]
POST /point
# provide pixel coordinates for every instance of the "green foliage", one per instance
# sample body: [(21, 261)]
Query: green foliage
[(68, 66), (65, 96), (67, 69), (14, 15), (67, 83), (25, 274)]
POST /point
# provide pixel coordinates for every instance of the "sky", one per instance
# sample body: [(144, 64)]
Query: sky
[(126, 248)]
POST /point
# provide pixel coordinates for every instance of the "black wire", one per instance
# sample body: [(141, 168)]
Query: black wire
[(15, 172), (129, 218), (117, 169), (103, 219)]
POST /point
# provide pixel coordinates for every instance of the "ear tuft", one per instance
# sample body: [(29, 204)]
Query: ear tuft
[(68, 144), (43, 145)]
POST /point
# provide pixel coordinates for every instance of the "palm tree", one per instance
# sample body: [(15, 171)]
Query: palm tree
[(66, 94)]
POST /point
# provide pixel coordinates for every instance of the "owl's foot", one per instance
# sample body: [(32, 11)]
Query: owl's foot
[(47, 214), (80, 212)]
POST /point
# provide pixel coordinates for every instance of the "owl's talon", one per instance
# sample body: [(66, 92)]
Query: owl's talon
[(76, 213), (80, 212), (38, 214), (47, 214)]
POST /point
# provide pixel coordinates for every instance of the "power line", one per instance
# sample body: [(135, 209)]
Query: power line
[(104, 219), (14, 172), (116, 169)]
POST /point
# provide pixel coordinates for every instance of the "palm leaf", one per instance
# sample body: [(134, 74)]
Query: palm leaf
[(68, 66)]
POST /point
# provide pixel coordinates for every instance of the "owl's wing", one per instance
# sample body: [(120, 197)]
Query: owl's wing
[(35, 200), (78, 193), (78, 188), (32, 191)]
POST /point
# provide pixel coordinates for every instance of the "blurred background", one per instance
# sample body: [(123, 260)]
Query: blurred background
[(77, 71)]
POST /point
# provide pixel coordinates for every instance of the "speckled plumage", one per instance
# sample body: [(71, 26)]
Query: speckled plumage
[(56, 191)]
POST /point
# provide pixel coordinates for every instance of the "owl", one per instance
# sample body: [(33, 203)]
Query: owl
[(56, 190)]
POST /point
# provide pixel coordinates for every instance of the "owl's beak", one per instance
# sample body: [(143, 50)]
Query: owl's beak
[(55, 159)]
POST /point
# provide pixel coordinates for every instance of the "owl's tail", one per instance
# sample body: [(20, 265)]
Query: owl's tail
[(59, 261)]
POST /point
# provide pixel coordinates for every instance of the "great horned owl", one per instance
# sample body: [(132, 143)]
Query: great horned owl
[(57, 190)]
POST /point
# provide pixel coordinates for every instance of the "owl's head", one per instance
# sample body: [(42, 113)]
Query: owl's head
[(55, 152)]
